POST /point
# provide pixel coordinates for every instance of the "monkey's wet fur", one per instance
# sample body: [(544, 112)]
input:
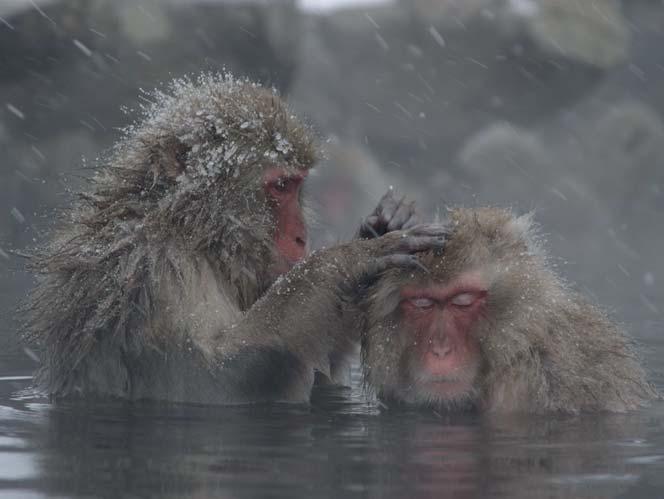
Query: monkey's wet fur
[(490, 326), (172, 237)]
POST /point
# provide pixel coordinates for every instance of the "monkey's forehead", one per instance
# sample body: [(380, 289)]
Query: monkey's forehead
[(495, 230), (486, 240), (445, 270)]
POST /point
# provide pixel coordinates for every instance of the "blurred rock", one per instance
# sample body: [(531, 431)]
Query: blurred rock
[(502, 148), (631, 134), (629, 142), (593, 32), (526, 170), (415, 85), (142, 26), (451, 12)]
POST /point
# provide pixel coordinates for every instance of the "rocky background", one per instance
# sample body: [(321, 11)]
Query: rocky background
[(548, 106)]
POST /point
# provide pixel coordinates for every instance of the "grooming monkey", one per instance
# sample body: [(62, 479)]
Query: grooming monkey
[(161, 283)]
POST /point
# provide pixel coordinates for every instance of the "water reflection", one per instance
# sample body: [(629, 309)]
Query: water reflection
[(339, 447)]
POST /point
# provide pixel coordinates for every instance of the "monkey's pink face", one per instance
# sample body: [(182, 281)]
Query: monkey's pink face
[(444, 356), (282, 188)]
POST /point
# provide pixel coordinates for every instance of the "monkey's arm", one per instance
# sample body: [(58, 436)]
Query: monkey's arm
[(269, 354), (273, 352)]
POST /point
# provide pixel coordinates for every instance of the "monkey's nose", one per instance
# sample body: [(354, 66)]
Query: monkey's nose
[(441, 347), (300, 242)]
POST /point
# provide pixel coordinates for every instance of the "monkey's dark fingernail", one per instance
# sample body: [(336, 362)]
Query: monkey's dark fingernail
[(411, 222), (397, 222), (370, 229), (404, 261), (421, 266), (409, 261)]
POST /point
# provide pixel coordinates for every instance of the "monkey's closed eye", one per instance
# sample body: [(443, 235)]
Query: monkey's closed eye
[(422, 303), (464, 299)]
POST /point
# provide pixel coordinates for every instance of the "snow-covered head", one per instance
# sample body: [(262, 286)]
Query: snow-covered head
[(201, 152), (213, 167)]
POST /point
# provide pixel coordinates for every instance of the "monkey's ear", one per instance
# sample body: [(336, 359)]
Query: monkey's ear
[(521, 227), (525, 230), (168, 158)]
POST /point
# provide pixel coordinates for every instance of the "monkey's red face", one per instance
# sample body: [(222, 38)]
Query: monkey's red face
[(282, 188), (444, 355)]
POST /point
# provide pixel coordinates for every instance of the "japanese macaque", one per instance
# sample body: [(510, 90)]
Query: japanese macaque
[(489, 326), (151, 289)]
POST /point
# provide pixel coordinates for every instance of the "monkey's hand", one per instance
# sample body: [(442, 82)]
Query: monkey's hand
[(395, 249), (400, 247), (309, 318), (348, 268), (390, 215), (369, 257)]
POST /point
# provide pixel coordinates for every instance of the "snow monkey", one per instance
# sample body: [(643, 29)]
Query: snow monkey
[(490, 327), (161, 283)]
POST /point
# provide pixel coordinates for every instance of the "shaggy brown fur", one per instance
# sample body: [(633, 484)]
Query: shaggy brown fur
[(543, 347), (173, 210)]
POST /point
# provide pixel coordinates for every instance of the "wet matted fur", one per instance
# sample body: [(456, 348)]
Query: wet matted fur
[(156, 248)]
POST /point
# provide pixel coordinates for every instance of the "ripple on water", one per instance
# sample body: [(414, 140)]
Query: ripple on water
[(645, 459), (593, 478), (17, 466)]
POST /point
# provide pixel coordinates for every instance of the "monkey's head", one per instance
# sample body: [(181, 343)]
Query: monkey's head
[(445, 336), (215, 167)]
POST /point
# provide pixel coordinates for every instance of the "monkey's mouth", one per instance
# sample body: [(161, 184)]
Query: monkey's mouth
[(448, 384), (445, 379), (448, 387), (448, 393)]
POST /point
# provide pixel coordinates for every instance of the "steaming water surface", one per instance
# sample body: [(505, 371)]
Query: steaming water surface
[(340, 446)]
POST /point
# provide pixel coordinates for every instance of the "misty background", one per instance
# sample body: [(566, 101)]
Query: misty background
[(546, 106)]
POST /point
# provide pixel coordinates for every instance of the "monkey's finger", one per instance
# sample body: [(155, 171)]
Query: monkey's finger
[(415, 217), (385, 198), (427, 230), (389, 194), (418, 244), (405, 213), (371, 220), (388, 208), (369, 272), (369, 228), (390, 261), (413, 221)]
